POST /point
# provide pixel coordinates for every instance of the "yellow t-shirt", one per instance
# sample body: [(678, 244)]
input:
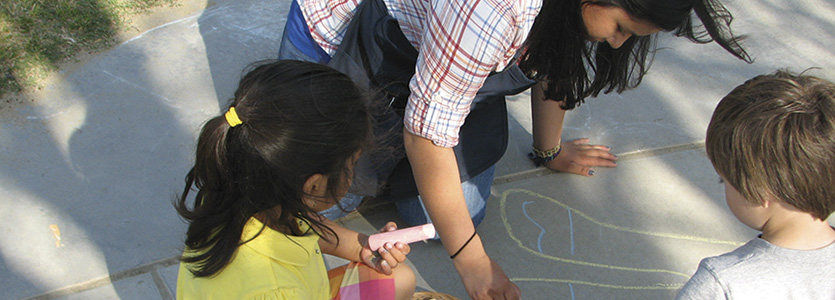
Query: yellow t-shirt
[(271, 266)]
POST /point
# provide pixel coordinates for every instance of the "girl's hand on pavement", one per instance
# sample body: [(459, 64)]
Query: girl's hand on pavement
[(578, 157)]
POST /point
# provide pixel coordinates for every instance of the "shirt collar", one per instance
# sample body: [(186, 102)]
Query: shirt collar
[(294, 250)]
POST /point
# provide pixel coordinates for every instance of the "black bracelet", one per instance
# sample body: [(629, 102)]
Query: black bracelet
[(462, 247)]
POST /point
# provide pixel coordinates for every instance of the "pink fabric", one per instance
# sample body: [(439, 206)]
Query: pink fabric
[(357, 281)]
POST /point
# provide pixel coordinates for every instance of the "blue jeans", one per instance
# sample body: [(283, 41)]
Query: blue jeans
[(476, 193), (412, 210)]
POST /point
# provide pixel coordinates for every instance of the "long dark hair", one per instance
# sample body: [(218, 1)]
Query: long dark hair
[(298, 119), (559, 53)]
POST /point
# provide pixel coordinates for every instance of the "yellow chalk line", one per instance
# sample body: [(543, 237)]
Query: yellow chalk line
[(503, 204), (660, 286), (616, 227)]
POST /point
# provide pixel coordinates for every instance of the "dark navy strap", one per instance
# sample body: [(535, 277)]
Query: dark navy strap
[(299, 34)]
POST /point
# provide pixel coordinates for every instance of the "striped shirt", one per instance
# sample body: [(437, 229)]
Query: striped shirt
[(460, 42)]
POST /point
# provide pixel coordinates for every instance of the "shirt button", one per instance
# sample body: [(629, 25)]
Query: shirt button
[(317, 251)]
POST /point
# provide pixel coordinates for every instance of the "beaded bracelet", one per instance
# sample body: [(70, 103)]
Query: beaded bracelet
[(540, 157)]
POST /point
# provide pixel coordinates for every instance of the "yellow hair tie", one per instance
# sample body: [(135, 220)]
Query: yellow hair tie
[(232, 117)]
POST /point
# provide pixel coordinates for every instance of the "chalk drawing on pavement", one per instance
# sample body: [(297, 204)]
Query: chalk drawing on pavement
[(530, 195)]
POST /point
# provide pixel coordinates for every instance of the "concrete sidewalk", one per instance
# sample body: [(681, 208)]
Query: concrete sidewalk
[(90, 167)]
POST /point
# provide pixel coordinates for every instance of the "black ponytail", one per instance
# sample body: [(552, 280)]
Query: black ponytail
[(298, 119)]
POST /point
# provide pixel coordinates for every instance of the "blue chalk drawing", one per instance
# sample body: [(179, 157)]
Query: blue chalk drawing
[(571, 226), (541, 229)]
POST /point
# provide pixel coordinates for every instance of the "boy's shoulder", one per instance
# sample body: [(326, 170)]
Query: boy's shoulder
[(764, 269), (759, 251)]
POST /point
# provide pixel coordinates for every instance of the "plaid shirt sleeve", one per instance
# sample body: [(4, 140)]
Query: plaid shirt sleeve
[(328, 20), (462, 42)]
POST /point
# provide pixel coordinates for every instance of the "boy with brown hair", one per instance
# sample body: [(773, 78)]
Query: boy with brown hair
[(772, 141)]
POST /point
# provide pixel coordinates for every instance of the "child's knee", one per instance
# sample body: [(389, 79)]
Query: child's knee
[(404, 281)]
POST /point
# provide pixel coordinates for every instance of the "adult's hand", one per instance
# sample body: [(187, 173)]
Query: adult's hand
[(579, 157), (483, 278)]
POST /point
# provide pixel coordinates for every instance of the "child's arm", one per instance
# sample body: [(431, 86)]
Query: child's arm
[(353, 246)]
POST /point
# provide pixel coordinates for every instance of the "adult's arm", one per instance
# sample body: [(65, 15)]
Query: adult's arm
[(439, 184), (462, 41), (577, 156)]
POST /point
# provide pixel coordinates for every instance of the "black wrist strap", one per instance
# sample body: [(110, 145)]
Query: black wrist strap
[(462, 247)]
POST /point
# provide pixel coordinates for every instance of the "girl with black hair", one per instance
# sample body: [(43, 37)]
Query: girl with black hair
[(446, 66), (284, 150)]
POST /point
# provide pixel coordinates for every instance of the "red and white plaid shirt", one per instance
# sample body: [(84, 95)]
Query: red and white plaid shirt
[(460, 43)]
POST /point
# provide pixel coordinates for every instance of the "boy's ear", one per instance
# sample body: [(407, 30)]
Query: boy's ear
[(316, 185), (768, 201)]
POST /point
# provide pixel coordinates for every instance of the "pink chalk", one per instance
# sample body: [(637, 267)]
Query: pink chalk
[(405, 235)]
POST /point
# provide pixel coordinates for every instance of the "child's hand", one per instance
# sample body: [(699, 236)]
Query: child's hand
[(388, 256)]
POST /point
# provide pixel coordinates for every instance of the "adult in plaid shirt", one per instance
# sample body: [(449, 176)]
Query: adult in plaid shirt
[(572, 48)]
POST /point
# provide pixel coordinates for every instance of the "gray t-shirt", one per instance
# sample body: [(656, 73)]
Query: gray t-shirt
[(761, 270)]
